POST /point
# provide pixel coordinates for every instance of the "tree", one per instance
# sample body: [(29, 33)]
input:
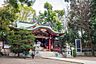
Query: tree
[(20, 40), (7, 16), (23, 8), (60, 13), (14, 3), (79, 20), (25, 13), (50, 18), (93, 21), (48, 6)]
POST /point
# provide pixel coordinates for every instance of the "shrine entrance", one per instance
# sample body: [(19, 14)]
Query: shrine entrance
[(44, 42), (46, 36)]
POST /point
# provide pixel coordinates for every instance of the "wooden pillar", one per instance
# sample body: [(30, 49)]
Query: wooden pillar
[(49, 44)]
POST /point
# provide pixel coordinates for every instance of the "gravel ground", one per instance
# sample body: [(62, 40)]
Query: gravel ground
[(37, 60)]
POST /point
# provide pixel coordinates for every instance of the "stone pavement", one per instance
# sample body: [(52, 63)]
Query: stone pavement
[(37, 60), (82, 60)]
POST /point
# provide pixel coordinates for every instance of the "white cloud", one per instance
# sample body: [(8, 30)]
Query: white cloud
[(57, 5), (1, 2)]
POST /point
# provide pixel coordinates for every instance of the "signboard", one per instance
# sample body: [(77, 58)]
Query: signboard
[(78, 46)]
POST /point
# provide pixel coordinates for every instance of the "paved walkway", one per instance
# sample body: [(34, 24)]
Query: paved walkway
[(37, 60), (84, 60)]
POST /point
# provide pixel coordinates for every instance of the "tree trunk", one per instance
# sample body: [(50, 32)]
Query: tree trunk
[(18, 54), (82, 37), (92, 45), (93, 53)]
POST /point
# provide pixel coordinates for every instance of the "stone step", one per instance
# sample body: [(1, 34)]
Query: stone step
[(48, 54)]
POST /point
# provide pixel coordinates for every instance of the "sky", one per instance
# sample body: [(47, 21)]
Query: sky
[(57, 5), (1, 2)]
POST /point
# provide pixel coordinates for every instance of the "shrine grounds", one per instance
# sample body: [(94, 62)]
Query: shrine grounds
[(36, 60)]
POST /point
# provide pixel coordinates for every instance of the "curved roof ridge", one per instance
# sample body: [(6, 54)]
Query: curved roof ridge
[(45, 27)]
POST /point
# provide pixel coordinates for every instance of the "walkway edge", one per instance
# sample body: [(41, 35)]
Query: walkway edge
[(65, 59)]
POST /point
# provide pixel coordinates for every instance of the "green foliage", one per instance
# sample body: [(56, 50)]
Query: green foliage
[(22, 8), (83, 18), (74, 53), (14, 3), (79, 19), (60, 12), (20, 40), (93, 19), (48, 6), (51, 18), (7, 16), (69, 37), (68, 0), (25, 13)]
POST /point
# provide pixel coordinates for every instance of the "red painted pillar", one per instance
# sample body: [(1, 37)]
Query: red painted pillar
[(49, 46)]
